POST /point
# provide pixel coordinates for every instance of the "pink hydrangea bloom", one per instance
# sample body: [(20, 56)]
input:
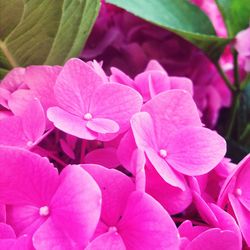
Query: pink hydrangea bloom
[(170, 132), (130, 219), (88, 107), (52, 210), (236, 193)]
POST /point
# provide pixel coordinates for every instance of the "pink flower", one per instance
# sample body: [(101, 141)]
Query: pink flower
[(203, 237), (173, 139), (88, 107), (236, 194), (54, 211), (26, 130), (130, 219)]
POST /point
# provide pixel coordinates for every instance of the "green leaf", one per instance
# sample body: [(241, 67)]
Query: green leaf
[(43, 31), (236, 14), (180, 17)]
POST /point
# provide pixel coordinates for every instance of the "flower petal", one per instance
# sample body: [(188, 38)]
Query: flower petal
[(145, 225), (76, 205), (70, 124)]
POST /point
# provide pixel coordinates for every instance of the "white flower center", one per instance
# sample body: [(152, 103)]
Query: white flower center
[(87, 116), (238, 191), (44, 211), (163, 153), (112, 229), (29, 143)]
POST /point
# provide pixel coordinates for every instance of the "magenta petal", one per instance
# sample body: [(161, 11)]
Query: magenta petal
[(116, 188), (215, 239), (143, 130), (164, 170), (50, 236), (41, 80), (107, 241), (171, 110), (103, 156), (24, 219), (116, 102), (195, 150), (173, 199), (28, 179), (11, 132), (6, 231), (70, 124), (151, 83), (75, 86), (242, 216), (182, 83), (76, 205), (102, 125), (146, 225), (34, 120), (19, 101)]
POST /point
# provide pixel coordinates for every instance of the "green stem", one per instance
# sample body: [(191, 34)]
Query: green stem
[(236, 70), (224, 77), (233, 113)]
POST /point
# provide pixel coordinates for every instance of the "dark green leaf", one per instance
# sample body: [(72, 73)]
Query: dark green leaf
[(43, 31), (236, 14), (180, 17)]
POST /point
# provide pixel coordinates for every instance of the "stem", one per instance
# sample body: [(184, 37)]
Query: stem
[(236, 70), (233, 113), (224, 77), (8, 55)]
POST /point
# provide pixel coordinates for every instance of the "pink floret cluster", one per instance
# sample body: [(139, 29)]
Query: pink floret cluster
[(95, 161)]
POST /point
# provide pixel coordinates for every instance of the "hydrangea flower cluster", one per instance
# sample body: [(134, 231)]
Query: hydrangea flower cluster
[(95, 161)]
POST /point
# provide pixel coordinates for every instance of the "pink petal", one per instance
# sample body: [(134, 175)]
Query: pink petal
[(125, 150), (182, 83), (11, 132), (214, 239), (116, 102), (6, 231), (118, 76), (116, 188), (195, 151), (75, 86), (170, 111), (103, 156), (164, 170), (242, 216), (173, 199), (102, 125), (70, 124), (143, 130), (138, 162), (242, 182), (26, 178), (14, 79), (50, 236), (41, 80), (76, 205), (34, 120), (151, 83), (24, 219), (146, 225), (107, 241), (19, 101), (155, 65)]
